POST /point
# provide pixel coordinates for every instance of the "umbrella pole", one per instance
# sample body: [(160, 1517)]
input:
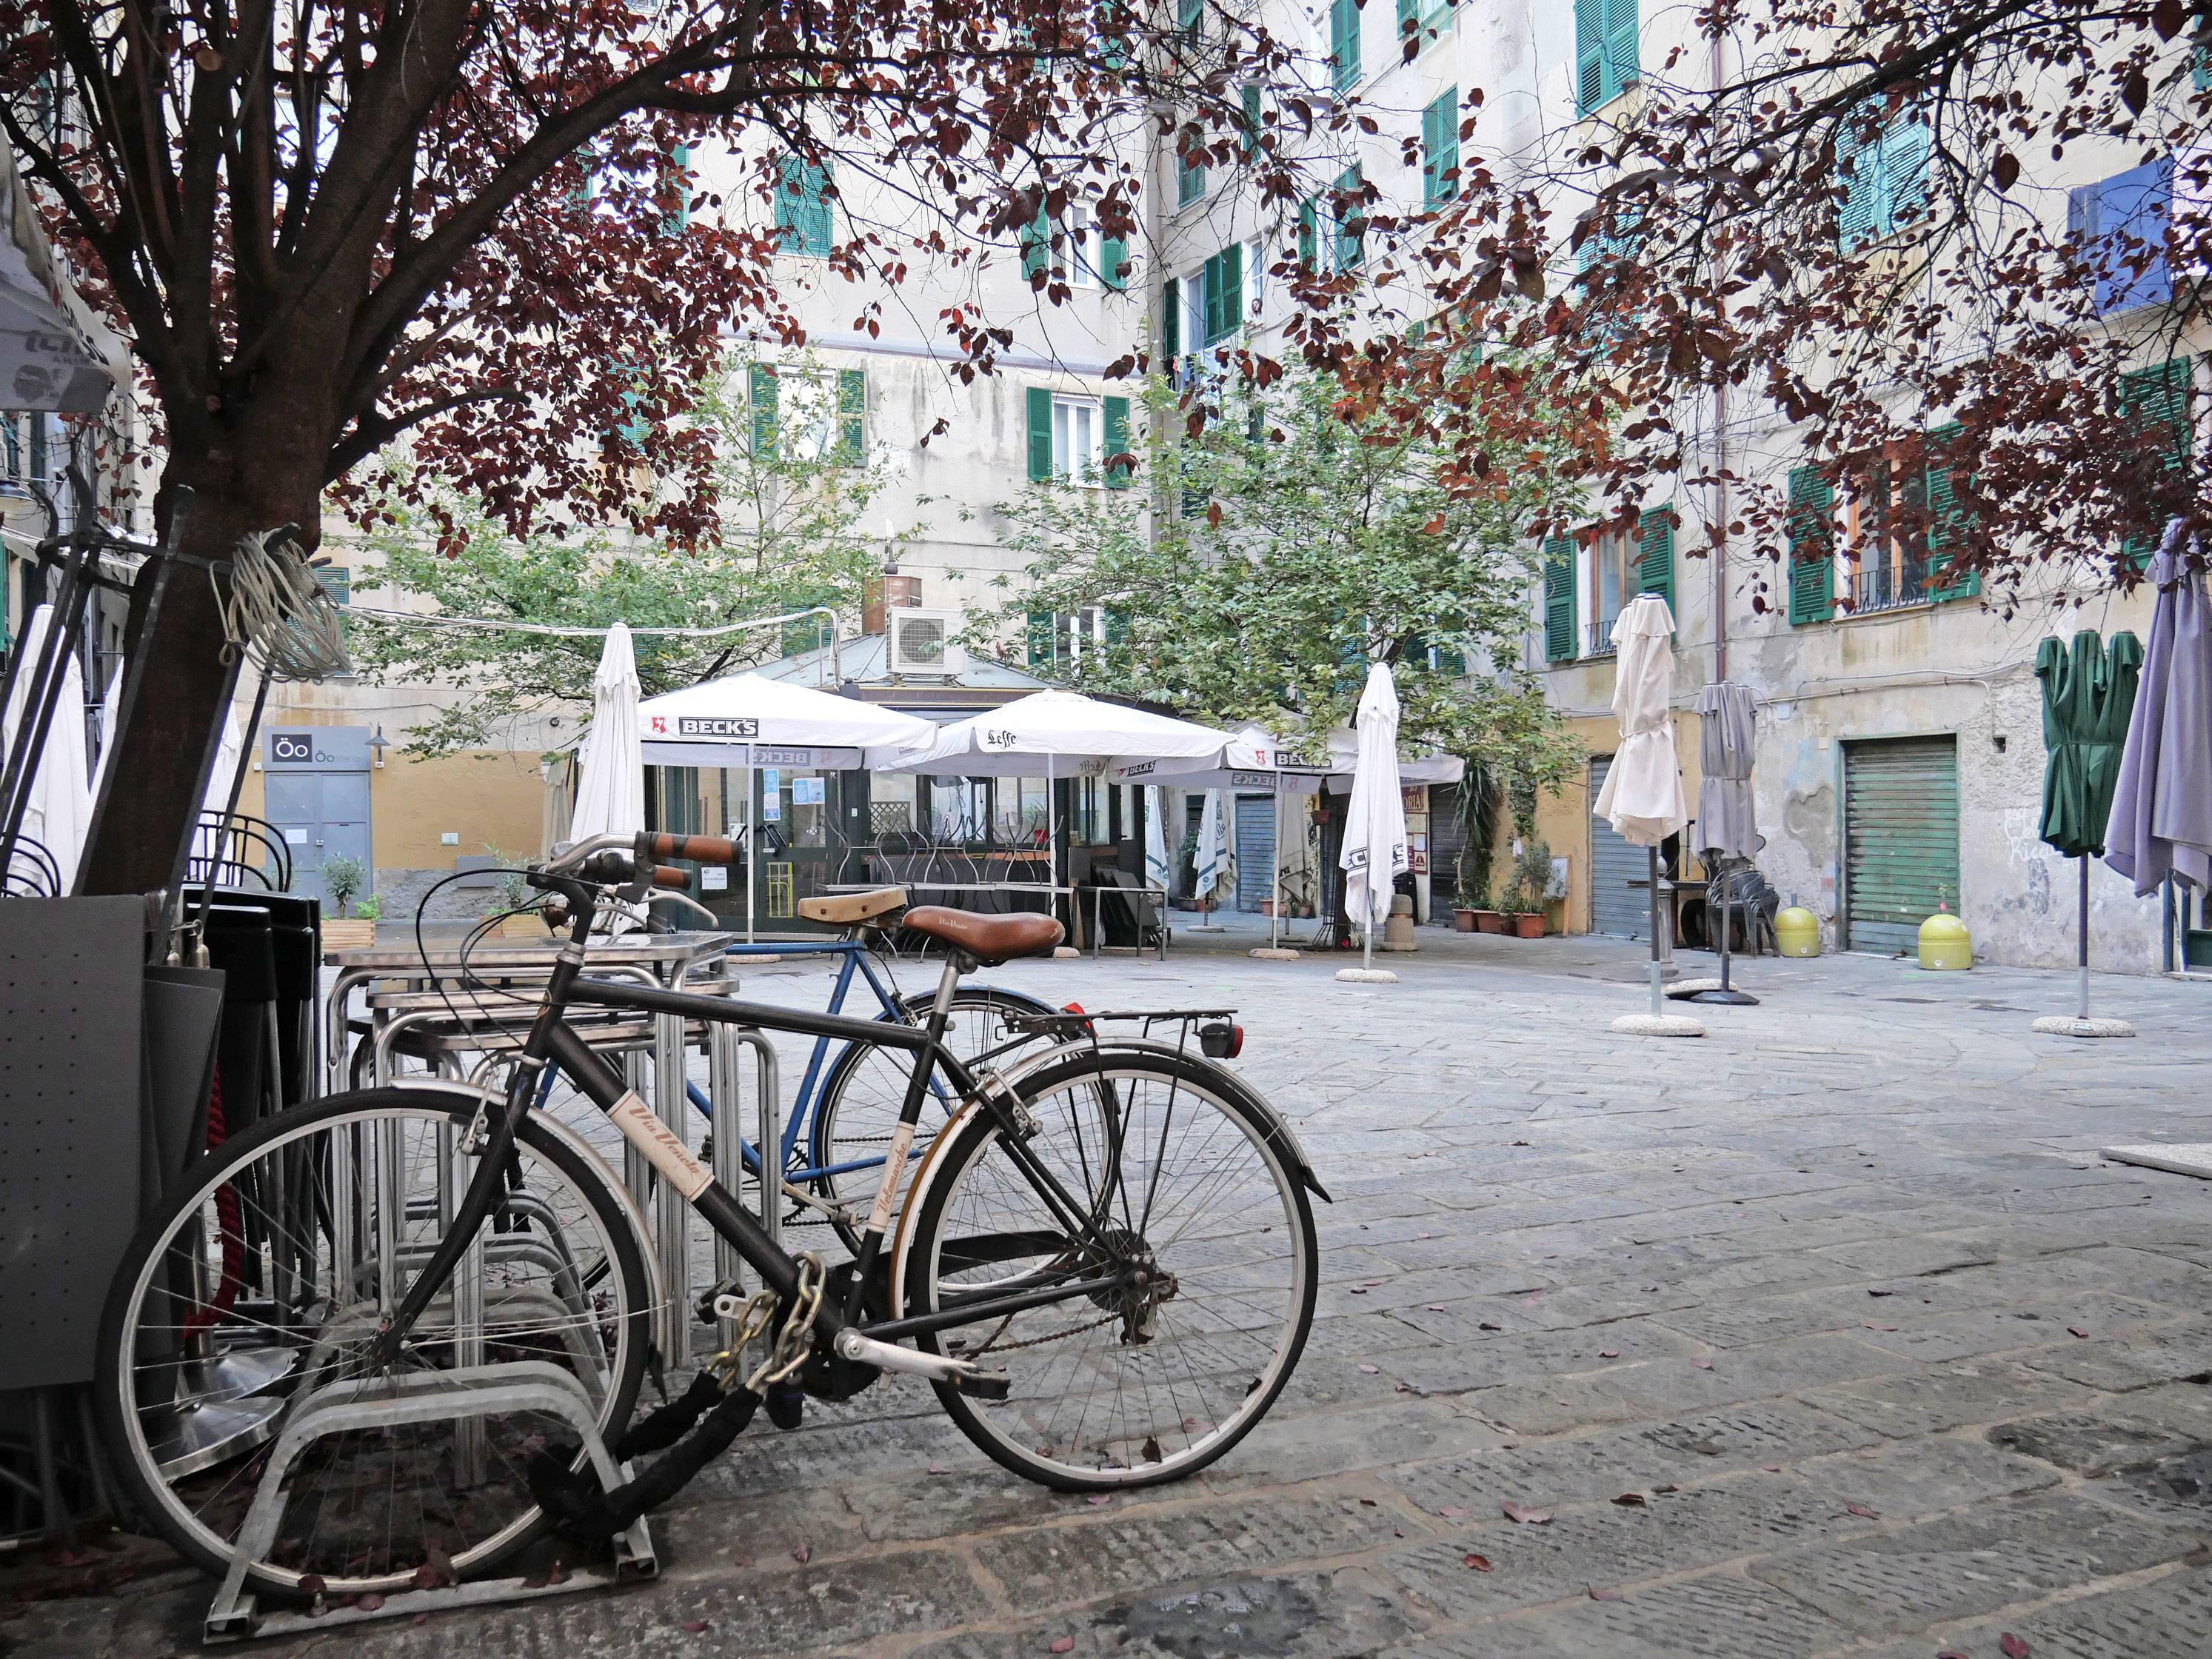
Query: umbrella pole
[(752, 813), (2082, 862), (1658, 997), (1275, 872)]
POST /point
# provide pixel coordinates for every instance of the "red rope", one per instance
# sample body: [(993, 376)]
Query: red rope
[(227, 1222)]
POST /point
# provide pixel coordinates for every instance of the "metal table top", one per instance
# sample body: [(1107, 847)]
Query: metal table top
[(492, 957)]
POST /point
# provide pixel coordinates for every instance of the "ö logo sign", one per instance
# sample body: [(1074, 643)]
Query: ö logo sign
[(294, 749)]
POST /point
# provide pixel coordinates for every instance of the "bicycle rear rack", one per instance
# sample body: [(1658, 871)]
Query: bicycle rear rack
[(364, 1403)]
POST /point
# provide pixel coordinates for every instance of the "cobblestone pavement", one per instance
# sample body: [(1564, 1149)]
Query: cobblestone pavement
[(1830, 1333)]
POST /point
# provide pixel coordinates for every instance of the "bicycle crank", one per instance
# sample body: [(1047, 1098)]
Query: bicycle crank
[(963, 1374)]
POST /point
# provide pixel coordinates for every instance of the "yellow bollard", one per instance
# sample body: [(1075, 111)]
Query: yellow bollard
[(1798, 932), (1945, 944)]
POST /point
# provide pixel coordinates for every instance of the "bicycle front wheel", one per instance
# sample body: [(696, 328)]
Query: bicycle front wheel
[(1156, 1377), (253, 1296)]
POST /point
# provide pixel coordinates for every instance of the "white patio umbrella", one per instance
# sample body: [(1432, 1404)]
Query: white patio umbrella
[(58, 812), (1374, 852), (1057, 733), (733, 720), (1157, 868), (1643, 793), (1215, 865), (611, 784)]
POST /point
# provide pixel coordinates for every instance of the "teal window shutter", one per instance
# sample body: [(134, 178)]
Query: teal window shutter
[(2156, 396), (1117, 624), (1232, 288), (1114, 262), (1812, 538), (1037, 246), (1171, 320), (1039, 639), (851, 416), (1945, 517), (1559, 600), (1621, 65), (1904, 156), (1655, 566), (2200, 68), (802, 207), (1189, 15), (679, 165), (1350, 219), (1040, 434), (1190, 180), (1589, 55), (760, 394), (1344, 43), (1118, 466), (1308, 232), (1409, 26), (1440, 150), (1859, 167), (1249, 96)]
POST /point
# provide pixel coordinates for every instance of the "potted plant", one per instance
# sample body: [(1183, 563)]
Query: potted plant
[(1531, 889), (348, 927), (515, 902), (1475, 806), (1491, 917)]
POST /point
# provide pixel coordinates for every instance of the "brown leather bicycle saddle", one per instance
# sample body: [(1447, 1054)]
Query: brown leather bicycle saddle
[(990, 940)]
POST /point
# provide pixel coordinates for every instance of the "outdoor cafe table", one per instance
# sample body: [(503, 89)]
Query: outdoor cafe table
[(400, 985)]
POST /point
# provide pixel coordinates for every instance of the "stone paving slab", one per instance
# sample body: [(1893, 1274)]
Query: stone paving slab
[(1872, 1206)]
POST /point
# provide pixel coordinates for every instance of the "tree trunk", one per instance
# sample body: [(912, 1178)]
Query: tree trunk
[(158, 775)]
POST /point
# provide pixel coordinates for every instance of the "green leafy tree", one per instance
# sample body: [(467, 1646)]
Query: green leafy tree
[(795, 482), (1253, 565)]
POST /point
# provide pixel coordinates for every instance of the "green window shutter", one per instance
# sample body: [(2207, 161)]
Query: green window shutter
[(1190, 180), (1559, 600), (1040, 434), (1655, 566), (1308, 232), (2155, 397), (1189, 15), (1039, 639), (1249, 95), (802, 207), (760, 392), (1114, 262), (1440, 150), (1117, 624), (1409, 24), (1944, 516), (1905, 155), (1037, 246), (1351, 220), (1589, 55), (1344, 43), (1812, 546), (2200, 68), (679, 164), (851, 416), (1117, 444), (1621, 54), (1232, 288), (1171, 320), (1210, 274)]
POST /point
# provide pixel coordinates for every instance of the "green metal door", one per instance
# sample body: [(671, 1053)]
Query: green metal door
[(1900, 839)]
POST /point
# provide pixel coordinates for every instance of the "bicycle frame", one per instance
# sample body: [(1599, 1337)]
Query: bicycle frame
[(552, 1043)]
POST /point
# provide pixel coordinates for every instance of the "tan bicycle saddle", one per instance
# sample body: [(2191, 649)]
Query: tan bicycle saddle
[(990, 940), (843, 909)]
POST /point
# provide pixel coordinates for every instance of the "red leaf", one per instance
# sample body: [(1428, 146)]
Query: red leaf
[(1608, 1353), (803, 1554), (1453, 1512), (1862, 1511), (1703, 1364), (1772, 1468), (370, 1602), (1098, 1497), (312, 1585), (1486, 1325), (2135, 93), (2011, 1646), (2004, 171), (2075, 1330), (1872, 1326), (1480, 1563), (1950, 1653), (1371, 1371), (1151, 1449), (2167, 17), (1632, 1500), (1881, 1292), (691, 1626), (1060, 1645), (441, 1563), (1597, 1595), (1522, 1516)]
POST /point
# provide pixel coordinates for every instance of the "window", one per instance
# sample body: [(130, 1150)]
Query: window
[(2157, 397), (1899, 528), (1605, 51), (1811, 534), (1351, 218), (1171, 322), (1559, 600), (1224, 294), (1419, 22), (1884, 178), (1061, 638), (1072, 438), (2119, 225), (1190, 178), (11, 448), (1249, 96), (825, 416), (1625, 564), (1344, 44), (1089, 258), (802, 206), (1440, 150)]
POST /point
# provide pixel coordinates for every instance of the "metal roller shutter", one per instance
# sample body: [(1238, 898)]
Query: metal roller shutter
[(1900, 839), (1256, 850), (1615, 906)]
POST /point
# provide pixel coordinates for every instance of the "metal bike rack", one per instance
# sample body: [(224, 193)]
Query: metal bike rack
[(365, 1403), (723, 1090)]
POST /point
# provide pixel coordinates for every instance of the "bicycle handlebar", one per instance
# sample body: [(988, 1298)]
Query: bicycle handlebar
[(700, 849), (665, 876)]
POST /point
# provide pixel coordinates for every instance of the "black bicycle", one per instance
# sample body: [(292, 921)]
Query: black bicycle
[(1104, 1262)]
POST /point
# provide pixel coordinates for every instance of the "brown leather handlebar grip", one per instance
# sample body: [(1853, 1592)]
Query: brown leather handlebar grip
[(664, 876), (700, 849)]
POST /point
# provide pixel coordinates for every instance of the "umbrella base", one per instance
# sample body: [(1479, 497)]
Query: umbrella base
[(1658, 1025), (2075, 1026), (1726, 996), (1269, 953), (1065, 953), (1690, 987), (1206, 927), (1367, 976)]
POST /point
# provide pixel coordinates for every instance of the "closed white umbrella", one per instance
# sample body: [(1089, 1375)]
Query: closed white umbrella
[(1374, 854), (611, 785), (58, 813), (227, 755), (1216, 864), (1157, 868), (1643, 793)]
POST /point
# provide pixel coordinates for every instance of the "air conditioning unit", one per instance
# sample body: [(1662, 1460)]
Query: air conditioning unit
[(920, 641)]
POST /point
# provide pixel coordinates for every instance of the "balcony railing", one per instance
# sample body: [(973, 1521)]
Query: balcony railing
[(1888, 587), (1597, 639)]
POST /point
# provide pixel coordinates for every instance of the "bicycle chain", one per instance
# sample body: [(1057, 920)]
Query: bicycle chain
[(993, 1346)]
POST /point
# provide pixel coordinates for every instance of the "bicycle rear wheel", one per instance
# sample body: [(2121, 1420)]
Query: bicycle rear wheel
[(1146, 1383), (262, 1283)]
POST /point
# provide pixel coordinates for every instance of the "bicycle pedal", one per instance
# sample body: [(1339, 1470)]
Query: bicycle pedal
[(984, 1385), (786, 1405)]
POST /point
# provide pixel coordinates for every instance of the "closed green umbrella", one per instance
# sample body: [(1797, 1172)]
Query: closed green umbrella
[(2088, 692)]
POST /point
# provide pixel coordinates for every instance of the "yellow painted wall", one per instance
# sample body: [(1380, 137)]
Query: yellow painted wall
[(490, 796), (1564, 819)]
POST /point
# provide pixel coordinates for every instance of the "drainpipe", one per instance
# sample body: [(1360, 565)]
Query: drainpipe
[(1720, 465)]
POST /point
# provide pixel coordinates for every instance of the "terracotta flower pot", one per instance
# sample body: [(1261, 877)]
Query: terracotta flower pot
[(1529, 925), (1462, 919), (1490, 922)]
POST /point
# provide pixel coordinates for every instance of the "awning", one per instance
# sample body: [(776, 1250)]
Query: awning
[(54, 355), (749, 719)]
